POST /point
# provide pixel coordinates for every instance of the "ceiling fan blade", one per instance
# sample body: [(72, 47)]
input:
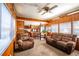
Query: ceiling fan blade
[(53, 7), (43, 13)]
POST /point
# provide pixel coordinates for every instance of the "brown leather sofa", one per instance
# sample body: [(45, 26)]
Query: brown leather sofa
[(64, 42), (23, 42)]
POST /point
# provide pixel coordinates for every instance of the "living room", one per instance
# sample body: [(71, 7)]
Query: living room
[(40, 29)]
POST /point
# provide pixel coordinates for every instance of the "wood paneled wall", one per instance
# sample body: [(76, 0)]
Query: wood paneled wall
[(10, 50), (67, 18), (20, 24)]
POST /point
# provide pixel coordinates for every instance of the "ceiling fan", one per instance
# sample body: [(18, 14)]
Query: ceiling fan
[(46, 8)]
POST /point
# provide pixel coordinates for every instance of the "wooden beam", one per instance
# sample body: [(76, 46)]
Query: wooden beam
[(30, 19)]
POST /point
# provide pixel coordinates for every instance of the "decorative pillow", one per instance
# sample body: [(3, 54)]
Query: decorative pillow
[(20, 42)]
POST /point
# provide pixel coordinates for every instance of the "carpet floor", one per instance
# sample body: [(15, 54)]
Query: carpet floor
[(42, 49)]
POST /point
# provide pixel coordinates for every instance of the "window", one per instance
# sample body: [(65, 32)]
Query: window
[(54, 28), (0, 20), (7, 24), (48, 29), (42, 28), (76, 27), (12, 28), (65, 28)]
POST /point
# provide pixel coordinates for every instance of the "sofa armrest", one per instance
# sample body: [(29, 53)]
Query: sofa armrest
[(70, 46), (72, 42), (75, 39)]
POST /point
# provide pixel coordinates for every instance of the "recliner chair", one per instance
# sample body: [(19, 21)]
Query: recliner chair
[(23, 42)]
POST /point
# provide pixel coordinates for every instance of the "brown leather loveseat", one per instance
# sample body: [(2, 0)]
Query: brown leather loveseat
[(64, 42)]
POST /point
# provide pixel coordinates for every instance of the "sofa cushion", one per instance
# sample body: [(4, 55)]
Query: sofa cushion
[(66, 39), (56, 37), (62, 43)]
